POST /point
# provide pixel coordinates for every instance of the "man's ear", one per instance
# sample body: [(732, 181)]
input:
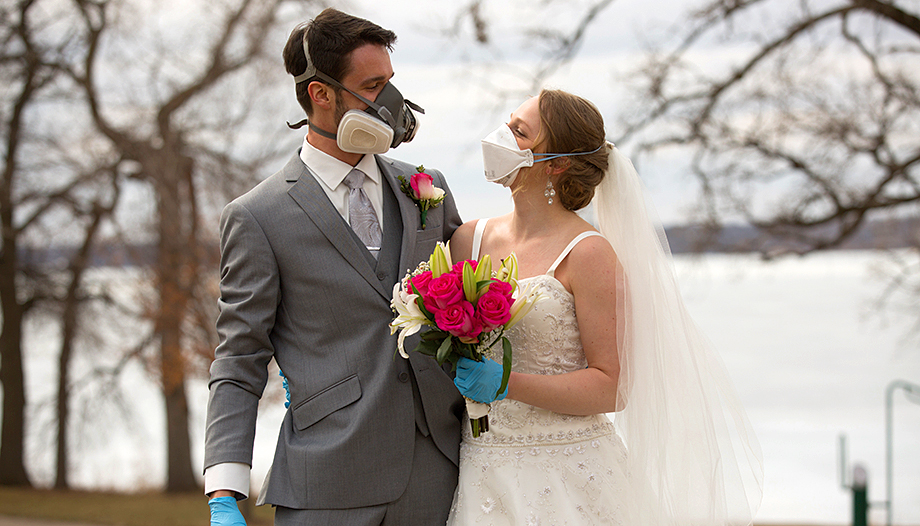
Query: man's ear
[(321, 95)]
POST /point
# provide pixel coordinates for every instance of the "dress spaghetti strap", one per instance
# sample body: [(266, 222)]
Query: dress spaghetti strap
[(477, 237), (565, 252)]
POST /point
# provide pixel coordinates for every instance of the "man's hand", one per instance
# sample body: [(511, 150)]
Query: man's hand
[(225, 512), (480, 381)]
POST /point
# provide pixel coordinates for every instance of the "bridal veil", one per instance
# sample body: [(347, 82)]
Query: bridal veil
[(693, 457)]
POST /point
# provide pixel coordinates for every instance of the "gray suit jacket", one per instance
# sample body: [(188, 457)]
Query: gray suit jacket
[(298, 286)]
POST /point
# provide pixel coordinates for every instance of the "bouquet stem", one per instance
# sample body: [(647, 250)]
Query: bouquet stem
[(479, 425), (479, 416)]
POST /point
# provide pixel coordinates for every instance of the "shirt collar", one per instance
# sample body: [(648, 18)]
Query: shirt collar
[(332, 171)]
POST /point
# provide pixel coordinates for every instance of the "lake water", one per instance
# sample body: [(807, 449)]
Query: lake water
[(808, 348)]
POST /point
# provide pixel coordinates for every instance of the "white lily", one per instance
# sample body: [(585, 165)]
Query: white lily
[(409, 317), (508, 271), (528, 295)]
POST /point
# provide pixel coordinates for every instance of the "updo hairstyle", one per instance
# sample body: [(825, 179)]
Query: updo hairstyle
[(571, 124)]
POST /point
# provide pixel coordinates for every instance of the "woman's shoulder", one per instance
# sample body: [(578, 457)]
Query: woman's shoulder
[(591, 252), (466, 229), (465, 233), (461, 242)]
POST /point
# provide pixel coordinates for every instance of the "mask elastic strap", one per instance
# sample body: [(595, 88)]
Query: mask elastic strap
[(306, 122), (382, 111), (551, 156)]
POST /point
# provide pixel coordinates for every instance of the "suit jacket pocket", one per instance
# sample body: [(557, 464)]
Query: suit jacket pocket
[(425, 242), (327, 401)]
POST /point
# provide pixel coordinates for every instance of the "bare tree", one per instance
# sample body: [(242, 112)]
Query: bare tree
[(28, 72), (100, 207), (183, 154), (809, 133), (494, 33)]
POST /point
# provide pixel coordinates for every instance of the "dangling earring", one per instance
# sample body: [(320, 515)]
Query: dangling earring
[(549, 192)]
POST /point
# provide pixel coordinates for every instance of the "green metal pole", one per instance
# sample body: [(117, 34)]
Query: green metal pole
[(860, 496)]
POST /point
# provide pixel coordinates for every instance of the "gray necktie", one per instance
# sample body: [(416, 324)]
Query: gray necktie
[(361, 212)]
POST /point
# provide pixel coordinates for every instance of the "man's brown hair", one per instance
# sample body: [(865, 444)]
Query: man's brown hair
[(331, 37)]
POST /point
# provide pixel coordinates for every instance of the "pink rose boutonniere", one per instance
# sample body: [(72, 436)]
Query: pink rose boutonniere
[(421, 189)]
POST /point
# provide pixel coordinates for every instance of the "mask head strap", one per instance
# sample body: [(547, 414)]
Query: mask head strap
[(311, 72), (550, 156)]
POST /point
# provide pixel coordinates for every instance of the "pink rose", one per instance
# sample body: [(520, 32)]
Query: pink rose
[(423, 186), (458, 267), (443, 292), (493, 309), (502, 288), (459, 320), (421, 282)]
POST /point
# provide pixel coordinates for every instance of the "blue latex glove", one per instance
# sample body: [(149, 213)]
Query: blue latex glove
[(480, 380), (225, 512), (287, 390)]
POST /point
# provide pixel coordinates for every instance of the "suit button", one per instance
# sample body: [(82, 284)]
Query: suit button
[(403, 377), (381, 275)]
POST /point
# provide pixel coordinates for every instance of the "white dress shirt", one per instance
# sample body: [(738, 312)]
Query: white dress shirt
[(330, 173)]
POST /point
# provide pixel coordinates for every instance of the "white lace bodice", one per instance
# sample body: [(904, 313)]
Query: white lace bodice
[(549, 334), (546, 341)]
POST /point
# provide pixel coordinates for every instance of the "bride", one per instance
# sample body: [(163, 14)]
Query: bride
[(613, 336)]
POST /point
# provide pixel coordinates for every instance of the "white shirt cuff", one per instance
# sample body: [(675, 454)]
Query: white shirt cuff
[(230, 476)]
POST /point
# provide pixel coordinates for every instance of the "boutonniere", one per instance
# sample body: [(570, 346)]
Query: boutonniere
[(421, 189)]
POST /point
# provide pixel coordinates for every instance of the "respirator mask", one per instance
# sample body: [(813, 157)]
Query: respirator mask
[(386, 123), (502, 158)]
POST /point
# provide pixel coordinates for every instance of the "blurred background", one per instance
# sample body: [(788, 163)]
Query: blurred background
[(779, 141)]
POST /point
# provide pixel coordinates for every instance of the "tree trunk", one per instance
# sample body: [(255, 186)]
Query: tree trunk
[(179, 475), (176, 267), (69, 319), (69, 323), (12, 468)]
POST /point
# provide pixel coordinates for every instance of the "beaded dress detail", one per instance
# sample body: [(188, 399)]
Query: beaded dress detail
[(535, 466)]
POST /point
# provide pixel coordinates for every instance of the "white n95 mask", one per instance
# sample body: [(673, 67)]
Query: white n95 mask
[(502, 158)]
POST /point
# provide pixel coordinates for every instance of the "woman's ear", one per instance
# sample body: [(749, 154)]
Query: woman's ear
[(558, 165)]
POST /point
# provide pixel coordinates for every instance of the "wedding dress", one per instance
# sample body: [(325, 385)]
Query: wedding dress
[(535, 466), (681, 452)]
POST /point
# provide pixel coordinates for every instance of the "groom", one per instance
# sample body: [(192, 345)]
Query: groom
[(309, 258)]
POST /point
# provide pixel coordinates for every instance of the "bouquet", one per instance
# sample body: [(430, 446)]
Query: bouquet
[(467, 309)]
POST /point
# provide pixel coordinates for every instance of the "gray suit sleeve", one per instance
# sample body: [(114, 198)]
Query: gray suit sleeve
[(249, 293)]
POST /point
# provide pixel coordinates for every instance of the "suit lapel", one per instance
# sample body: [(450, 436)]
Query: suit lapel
[(308, 194), (408, 211)]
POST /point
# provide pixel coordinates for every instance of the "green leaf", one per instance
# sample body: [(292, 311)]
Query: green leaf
[(419, 302), (435, 335), (427, 347), (443, 351), (506, 365)]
